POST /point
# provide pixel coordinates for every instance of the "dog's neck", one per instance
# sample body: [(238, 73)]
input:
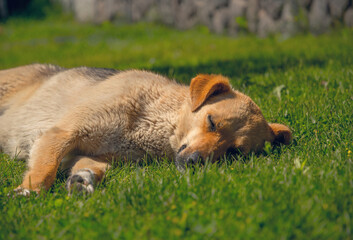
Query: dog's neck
[(158, 119)]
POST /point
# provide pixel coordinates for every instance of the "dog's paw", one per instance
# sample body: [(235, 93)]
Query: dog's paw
[(19, 191), (81, 182)]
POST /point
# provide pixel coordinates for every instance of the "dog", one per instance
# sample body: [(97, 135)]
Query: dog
[(82, 118)]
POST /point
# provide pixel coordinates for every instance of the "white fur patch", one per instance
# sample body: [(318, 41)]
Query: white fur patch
[(86, 174), (20, 192), (82, 182)]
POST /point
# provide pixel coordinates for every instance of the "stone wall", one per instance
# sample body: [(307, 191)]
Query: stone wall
[(262, 17), (3, 9)]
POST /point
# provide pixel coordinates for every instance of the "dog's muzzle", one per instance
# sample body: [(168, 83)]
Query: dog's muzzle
[(183, 161)]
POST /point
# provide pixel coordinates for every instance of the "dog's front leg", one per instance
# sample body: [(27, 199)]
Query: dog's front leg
[(45, 158)]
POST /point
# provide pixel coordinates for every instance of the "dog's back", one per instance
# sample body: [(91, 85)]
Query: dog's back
[(17, 79)]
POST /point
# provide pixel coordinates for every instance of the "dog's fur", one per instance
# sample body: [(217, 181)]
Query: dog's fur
[(85, 117)]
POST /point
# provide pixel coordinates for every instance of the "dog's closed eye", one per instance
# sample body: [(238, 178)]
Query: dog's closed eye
[(211, 124), (181, 148)]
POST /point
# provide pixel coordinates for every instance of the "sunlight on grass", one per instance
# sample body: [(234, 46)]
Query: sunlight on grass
[(301, 191)]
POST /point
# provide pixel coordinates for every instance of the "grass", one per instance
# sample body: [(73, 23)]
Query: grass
[(300, 191)]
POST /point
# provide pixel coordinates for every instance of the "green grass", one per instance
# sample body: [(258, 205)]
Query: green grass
[(300, 191)]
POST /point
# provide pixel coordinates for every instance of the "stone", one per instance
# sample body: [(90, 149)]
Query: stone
[(305, 3), (152, 14), (221, 20), (319, 19), (337, 7), (266, 24), (122, 9), (252, 15), (237, 8), (67, 5), (3, 9), (289, 25), (261, 17), (167, 11), (139, 8), (348, 17), (186, 15), (104, 11), (206, 10), (272, 7), (84, 10)]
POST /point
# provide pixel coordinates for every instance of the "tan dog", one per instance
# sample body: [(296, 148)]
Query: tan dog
[(85, 117)]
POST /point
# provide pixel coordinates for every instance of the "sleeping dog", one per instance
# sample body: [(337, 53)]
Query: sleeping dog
[(82, 118)]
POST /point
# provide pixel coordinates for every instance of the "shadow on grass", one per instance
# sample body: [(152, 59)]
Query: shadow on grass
[(130, 168), (240, 68)]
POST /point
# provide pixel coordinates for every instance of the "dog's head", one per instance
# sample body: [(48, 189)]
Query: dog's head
[(218, 119)]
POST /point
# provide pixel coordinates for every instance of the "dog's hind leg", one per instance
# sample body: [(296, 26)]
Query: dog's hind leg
[(85, 173), (45, 158)]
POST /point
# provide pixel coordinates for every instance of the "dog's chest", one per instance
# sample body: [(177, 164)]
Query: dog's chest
[(126, 132), (134, 143)]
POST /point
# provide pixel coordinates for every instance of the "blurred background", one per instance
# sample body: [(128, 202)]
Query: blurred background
[(292, 57), (234, 37), (261, 17)]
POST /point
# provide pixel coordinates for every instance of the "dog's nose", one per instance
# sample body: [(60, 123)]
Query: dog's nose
[(183, 161), (193, 158)]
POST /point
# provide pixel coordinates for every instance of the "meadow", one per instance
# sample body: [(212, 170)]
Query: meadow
[(300, 191)]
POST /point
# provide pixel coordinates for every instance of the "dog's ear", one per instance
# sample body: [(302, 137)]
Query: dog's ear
[(203, 86), (282, 134)]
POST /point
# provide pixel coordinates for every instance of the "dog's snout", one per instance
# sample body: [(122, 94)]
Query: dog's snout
[(183, 160), (193, 158)]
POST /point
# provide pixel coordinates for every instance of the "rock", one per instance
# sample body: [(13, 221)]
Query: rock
[(104, 10), (289, 24), (221, 20), (252, 15), (266, 24), (84, 10), (122, 9), (261, 17), (348, 17), (237, 8), (319, 19), (337, 7), (3, 9), (305, 3), (167, 11), (139, 8), (272, 7), (153, 14), (186, 15), (67, 5), (206, 10), (96, 11)]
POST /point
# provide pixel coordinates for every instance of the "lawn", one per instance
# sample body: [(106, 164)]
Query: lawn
[(300, 191)]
